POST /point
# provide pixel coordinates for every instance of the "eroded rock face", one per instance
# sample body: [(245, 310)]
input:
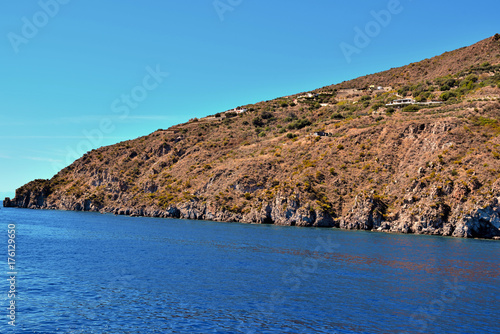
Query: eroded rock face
[(424, 210), (395, 177), (427, 218), (367, 213), (7, 203), (480, 223)]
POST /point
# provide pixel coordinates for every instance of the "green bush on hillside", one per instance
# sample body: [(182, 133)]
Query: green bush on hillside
[(299, 124), (377, 106), (365, 98), (257, 121), (290, 117), (404, 90), (418, 89), (389, 111), (447, 95), (266, 115), (411, 108)]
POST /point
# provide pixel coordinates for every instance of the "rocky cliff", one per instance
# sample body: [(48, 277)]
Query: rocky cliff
[(318, 160)]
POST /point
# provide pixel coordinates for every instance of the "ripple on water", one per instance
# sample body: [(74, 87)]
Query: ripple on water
[(91, 273)]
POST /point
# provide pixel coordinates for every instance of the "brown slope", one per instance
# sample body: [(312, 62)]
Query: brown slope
[(435, 171), (448, 63)]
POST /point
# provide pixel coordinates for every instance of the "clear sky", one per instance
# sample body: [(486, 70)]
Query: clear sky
[(80, 74)]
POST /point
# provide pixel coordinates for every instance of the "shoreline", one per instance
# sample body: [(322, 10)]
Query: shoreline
[(377, 230)]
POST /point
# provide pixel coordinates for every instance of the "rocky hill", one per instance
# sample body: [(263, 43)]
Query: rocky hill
[(334, 157)]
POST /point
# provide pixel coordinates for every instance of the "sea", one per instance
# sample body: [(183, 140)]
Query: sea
[(82, 272)]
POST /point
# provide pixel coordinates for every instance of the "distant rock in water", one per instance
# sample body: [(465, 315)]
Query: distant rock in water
[(7, 203)]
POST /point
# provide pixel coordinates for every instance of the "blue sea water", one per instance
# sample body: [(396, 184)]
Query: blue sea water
[(83, 272)]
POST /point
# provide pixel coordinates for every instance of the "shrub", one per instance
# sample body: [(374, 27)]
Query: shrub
[(484, 121), (471, 77), (290, 117), (411, 108), (340, 146), (365, 98), (299, 124), (378, 105), (389, 111), (421, 98), (451, 82), (417, 89), (257, 121), (447, 95), (266, 115), (402, 91)]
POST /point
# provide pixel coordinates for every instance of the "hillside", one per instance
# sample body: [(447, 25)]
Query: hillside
[(334, 157)]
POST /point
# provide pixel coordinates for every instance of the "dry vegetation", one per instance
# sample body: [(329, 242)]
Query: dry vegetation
[(443, 158)]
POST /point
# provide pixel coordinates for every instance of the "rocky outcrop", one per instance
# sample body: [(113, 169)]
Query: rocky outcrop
[(7, 203), (367, 213), (481, 222), (430, 205), (31, 196)]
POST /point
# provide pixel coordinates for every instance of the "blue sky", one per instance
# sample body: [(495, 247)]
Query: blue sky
[(77, 75)]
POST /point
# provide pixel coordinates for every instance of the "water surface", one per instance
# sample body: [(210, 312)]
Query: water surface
[(91, 273)]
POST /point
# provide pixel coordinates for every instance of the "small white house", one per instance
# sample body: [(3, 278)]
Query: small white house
[(239, 110), (401, 102), (308, 95), (406, 102)]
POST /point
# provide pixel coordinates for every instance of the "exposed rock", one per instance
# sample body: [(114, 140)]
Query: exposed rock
[(7, 203), (366, 214), (480, 223), (433, 171)]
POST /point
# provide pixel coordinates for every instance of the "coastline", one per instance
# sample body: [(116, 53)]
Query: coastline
[(188, 212)]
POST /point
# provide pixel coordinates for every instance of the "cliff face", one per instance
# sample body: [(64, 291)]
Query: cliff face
[(480, 220), (428, 171), (411, 187)]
